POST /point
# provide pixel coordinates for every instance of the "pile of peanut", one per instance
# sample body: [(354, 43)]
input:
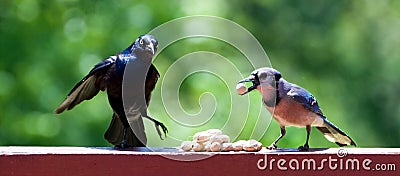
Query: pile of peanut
[(213, 140)]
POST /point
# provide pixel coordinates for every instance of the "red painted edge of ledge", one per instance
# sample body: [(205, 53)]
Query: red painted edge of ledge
[(18, 160)]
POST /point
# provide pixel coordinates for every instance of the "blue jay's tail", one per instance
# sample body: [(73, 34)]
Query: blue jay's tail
[(334, 134)]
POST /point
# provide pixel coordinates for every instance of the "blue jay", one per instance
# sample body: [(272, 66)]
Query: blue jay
[(291, 105), (126, 128)]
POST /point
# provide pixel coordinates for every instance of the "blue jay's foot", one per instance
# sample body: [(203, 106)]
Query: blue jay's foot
[(123, 145), (305, 147), (272, 147)]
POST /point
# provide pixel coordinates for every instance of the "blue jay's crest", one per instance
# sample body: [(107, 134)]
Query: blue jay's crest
[(268, 72)]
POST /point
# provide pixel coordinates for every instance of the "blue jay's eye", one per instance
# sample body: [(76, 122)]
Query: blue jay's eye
[(141, 41)]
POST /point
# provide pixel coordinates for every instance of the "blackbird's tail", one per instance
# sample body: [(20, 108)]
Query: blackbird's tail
[(115, 132)]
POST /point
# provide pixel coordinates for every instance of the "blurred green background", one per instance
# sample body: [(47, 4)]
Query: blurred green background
[(344, 52)]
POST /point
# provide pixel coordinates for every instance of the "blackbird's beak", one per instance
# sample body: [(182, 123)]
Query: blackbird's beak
[(150, 47)]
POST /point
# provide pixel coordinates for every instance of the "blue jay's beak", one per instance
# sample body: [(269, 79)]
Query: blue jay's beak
[(254, 86), (245, 80)]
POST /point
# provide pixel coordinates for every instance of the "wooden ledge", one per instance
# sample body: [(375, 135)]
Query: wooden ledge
[(171, 161)]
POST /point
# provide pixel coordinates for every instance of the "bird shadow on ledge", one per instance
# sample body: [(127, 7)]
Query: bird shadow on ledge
[(279, 150), (139, 149)]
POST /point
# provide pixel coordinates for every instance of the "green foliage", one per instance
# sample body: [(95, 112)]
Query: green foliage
[(344, 52)]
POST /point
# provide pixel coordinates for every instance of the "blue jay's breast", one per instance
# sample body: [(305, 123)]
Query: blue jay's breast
[(291, 113)]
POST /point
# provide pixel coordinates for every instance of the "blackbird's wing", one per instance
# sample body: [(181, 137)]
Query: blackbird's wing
[(88, 87), (151, 80)]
